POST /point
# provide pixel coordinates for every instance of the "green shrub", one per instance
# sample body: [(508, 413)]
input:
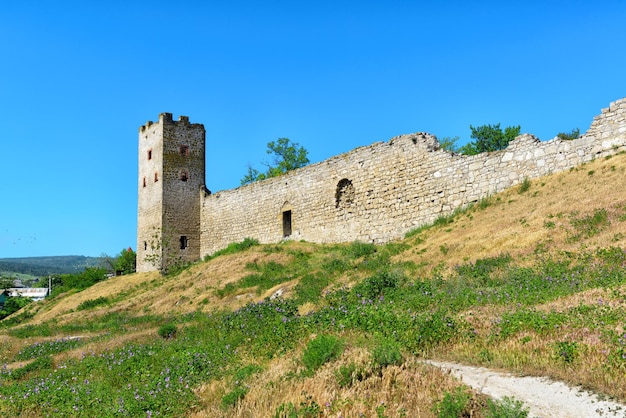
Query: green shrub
[(232, 397), (524, 185), (575, 133), (567, 351), (309, 288), (246, 371), (92, 303), (444, 220), (350, 373), (335, 266), (454, 404), (177, 267), (387, 353), (433, 329), (321, 350), (484, 203), (506, 408), (482, 269), (286, 410), (375, 286), (168, 331), (308, 409), (228, 289)]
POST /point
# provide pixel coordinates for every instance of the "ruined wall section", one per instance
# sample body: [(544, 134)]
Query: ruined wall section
[(610, 125), (379, 192)]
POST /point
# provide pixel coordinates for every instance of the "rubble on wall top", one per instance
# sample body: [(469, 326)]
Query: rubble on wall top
[(429, 140)]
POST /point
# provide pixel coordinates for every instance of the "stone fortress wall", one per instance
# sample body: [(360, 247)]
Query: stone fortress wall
[(378, 193)]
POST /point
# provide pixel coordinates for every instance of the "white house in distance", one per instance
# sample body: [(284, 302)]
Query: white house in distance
[(34, 293)]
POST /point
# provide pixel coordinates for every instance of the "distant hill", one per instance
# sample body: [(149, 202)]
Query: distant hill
[(44, 266)]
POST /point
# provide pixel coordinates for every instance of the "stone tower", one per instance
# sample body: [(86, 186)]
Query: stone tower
[(171, 181)]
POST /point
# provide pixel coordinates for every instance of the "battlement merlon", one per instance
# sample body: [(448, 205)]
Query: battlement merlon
[(166, 118)]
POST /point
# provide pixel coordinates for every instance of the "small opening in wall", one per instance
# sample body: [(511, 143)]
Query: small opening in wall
[(183, 150), (145, 245), (286, 223), (184, 242), (144, 182), (184, 175), (344, 195), (156, 177), (149, 154)]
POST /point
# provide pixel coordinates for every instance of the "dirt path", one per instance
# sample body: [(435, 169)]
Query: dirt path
[(544, 398)]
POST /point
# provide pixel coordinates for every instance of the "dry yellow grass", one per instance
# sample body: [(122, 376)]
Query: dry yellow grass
[(517, 223), (410, 389)]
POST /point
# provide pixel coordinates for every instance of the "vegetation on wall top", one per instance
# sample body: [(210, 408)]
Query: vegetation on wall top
[(287, 155), (486, 138)]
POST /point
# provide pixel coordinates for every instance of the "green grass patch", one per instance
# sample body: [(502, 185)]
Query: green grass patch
[(589, 225), (233, 248), (321, 350), (92, 303)]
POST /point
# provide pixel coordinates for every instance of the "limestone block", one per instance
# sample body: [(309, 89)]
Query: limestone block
[(508, 156)]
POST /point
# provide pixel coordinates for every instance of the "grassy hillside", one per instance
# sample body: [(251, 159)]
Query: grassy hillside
[(531, 280)]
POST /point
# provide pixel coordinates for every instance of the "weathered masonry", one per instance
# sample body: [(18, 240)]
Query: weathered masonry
[(375, 193), (171, 176)]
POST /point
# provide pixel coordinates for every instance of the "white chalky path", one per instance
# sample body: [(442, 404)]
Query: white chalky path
[(543, 397)]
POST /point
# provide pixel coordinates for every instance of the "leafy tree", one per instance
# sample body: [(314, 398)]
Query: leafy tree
[(13, 304), (489, 138), (569, 136), (126, 262), (80, 281), (287, 156), (6, 282)]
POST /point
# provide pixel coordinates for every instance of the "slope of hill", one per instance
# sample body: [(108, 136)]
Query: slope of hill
[(531, 281)]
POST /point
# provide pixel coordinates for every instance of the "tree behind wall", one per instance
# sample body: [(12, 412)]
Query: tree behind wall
[(489, 138), (287, 156), (126, 262)]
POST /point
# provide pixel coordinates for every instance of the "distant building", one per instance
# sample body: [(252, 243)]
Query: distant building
[(34, 293)]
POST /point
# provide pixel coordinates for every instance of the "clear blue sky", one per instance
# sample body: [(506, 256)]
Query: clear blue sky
[(78, 78)]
